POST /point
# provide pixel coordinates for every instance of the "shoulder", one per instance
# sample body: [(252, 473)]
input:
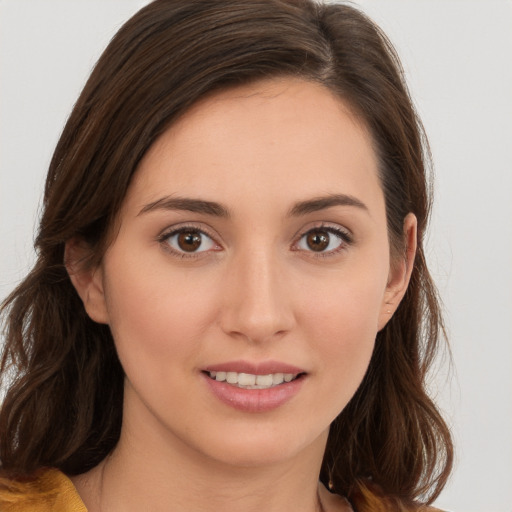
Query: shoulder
[(49, 490), (367, 496)]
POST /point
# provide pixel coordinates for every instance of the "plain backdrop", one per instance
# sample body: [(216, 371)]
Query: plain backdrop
[(457, 55)]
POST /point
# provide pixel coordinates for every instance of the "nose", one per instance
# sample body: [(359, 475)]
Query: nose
[(256, 301)]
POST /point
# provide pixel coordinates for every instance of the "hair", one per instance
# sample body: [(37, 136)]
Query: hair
[(63, 405)]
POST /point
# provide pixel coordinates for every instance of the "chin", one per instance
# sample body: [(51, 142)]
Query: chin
[(263, 447)]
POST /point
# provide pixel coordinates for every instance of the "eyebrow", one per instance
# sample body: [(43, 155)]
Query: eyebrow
[(187, 204), (321, 203), (217, 210)]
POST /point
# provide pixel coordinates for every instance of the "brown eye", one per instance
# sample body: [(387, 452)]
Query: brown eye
[(189, 241), (327, 240), (317, 240)]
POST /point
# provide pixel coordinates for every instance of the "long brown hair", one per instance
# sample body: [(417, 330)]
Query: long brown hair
[(63, 405)]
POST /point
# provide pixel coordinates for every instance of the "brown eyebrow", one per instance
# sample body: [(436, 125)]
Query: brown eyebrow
[(217, 210), (187, 204), (321, 203)]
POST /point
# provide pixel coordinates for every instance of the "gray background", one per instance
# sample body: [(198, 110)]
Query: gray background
[(457, 56)]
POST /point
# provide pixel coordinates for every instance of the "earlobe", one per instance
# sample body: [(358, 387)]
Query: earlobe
[(400, 273), (87, 281)]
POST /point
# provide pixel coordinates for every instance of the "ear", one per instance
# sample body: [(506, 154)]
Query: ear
[(399, 273), (88, 282)]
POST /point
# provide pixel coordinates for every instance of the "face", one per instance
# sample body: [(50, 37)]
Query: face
[(250, 274)]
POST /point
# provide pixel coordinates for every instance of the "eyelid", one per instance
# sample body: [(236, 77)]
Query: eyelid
[(338, 230), (175, 229)]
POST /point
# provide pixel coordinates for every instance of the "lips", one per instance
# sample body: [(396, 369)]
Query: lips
[(254, 387)]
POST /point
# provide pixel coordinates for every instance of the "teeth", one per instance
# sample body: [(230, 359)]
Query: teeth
[(250, 381), (246, 379), (277, 378), (231, 377), (264, 380)]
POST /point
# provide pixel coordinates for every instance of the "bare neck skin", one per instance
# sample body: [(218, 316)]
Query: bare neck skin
[(160, 473)]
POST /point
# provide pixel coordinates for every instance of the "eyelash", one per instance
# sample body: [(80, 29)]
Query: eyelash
[(164, 238), (345, 237)]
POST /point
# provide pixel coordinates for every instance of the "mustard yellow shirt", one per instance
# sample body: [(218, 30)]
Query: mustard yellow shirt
[(52, 491)]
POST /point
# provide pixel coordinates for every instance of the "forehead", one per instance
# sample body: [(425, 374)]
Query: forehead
[(285, 138)]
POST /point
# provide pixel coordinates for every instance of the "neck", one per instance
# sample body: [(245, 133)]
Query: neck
[(157, 472), (127, 483)]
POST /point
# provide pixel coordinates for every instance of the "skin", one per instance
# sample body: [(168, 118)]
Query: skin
[(255, 291)]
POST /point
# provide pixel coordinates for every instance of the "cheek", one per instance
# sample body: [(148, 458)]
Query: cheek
[(342, 319), (348, 301), (345, 333), (156, 319)]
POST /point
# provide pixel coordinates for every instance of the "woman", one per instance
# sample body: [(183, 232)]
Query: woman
[(231, 307)]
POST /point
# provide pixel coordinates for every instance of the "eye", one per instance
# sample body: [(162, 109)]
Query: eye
[(189, 241), (324, 240)]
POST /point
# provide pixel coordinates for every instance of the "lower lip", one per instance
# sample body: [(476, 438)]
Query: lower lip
[(254, 400)]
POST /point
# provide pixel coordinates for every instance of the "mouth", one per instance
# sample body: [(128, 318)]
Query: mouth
[(254, 386), (253, 381)]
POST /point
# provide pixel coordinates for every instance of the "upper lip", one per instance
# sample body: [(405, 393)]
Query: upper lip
[(254, 368)]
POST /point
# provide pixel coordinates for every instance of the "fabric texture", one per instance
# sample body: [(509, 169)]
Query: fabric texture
[(51, 491)]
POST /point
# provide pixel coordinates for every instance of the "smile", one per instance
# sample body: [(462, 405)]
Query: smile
[(252, 381)]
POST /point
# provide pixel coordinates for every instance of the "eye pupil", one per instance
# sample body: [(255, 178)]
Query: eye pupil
[(189, 241), (318, 240)]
